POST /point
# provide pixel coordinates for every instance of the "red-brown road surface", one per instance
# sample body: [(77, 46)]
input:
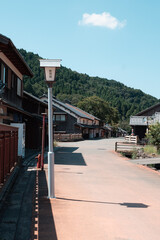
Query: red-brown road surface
[(100, 195)]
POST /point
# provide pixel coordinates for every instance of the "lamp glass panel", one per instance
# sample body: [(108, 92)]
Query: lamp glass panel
[(50, 73)]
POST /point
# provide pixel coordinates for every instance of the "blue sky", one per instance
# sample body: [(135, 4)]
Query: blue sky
[(114, 39)]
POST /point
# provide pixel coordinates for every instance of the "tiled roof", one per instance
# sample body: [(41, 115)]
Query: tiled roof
[(73, 109), (147, 109), (35, 98), (83, 112), (87, 126), (7, 47)]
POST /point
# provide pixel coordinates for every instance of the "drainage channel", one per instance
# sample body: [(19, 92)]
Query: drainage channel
[(151, 162)]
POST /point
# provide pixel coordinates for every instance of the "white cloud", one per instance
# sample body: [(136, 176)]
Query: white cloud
[(102, 20)]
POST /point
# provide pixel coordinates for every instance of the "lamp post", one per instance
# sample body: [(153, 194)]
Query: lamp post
[(50, 72)]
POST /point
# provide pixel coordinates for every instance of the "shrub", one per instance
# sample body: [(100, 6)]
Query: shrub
[(153, 135), (55, 144)]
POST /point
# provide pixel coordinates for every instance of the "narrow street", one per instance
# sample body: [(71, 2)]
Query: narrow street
[(100, 195)]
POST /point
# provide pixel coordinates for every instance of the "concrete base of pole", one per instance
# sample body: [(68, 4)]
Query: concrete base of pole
[(51, 192)]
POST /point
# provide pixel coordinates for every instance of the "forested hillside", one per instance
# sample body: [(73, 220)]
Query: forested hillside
[(75, 87)]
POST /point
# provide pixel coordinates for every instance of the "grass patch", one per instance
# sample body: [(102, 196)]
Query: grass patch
[(150, 149), (55, 144), (147, 151)]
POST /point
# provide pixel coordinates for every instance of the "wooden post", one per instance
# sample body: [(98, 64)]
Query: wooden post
[(116, 146)]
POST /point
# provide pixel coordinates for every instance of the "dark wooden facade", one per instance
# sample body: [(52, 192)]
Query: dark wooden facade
[(143, 120), (35, 108), (64, 122), (140, 131), (150, 111), (17, 106)]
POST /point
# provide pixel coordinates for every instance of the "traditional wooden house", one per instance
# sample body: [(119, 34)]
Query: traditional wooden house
[(12, 70), (17, 106), (141, 121), (69, 119)]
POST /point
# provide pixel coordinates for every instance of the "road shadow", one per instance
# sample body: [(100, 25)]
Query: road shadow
[(126, 204), (67, 149), (134, 205), (67, 156), (44, 225)]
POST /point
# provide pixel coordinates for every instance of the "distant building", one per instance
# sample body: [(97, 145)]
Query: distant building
[(34, 107), (141, 121), (69, 119)]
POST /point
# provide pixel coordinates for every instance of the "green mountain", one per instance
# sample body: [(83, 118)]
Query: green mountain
[(74, 87)]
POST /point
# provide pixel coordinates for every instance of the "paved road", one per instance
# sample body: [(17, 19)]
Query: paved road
[(100, 195)]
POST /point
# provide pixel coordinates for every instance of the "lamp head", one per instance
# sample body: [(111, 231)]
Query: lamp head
[(50, 66)]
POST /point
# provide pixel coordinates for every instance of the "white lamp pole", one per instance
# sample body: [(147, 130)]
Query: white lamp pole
[(50, 72)]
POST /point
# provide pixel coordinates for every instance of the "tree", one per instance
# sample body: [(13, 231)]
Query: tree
[(99, 108), (154, 135), (127, 100), (124, 124)]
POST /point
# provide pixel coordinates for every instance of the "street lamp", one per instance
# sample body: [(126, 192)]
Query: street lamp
[(50, 66)]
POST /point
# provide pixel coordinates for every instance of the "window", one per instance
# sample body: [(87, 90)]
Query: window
[(89, 122), (18, 87), (59, 117), (9, 78), (84, 121), (12, 84), (6, 76), (2, 73), (63, 118)]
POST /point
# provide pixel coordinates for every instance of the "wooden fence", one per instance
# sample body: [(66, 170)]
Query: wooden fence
[(126, 147), (8, 150), (131, 139)]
